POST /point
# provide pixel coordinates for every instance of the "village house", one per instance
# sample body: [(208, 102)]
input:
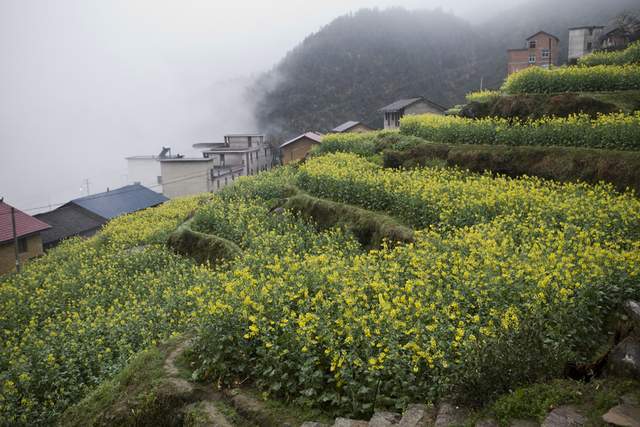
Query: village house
[(620, 31), (583, 41), (86, 215), (298, 147), (542, 50), (404, 107), (221, 163), (28, 231), (145, 170), (351, 127)]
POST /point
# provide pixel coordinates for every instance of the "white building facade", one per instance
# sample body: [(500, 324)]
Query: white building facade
[(583, 41), (220, 165)]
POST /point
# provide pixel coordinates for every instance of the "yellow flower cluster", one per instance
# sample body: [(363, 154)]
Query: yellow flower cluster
[(483, 96), (498, 264), (630, 55), (424, 197), (614, 131), (74, 317), (574, 79), (512, 264)]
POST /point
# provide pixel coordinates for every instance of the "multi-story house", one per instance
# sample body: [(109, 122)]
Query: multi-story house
[(583, 41), (221, 163), (542, 50)]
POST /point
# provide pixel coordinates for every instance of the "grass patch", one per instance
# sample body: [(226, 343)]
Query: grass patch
[(534, 402), (139, 395), (619, 168), (370, 228), (535, 106), (204, 248), (289, 413)]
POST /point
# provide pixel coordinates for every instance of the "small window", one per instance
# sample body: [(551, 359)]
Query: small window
[(545, 53), (532, 59), (22, 246), (532, 44)]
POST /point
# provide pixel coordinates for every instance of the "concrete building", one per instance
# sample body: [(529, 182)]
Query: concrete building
[(28, 231), (297, 148), (351, 127), (542, 50), (583, 41), (145, 170), (221, 163), (404, 107)]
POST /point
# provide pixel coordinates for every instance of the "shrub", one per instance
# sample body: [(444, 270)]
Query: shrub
[(359, 143), (484, 96), (573, 79), (365, 144), (613, 131), (630, 55)]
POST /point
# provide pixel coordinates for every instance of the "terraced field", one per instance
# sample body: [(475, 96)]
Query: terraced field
[(306, 312)]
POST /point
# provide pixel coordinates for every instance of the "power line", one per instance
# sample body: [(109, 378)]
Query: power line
[(115, 192)]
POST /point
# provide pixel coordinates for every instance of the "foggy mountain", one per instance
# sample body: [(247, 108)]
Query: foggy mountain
[(363, 61)]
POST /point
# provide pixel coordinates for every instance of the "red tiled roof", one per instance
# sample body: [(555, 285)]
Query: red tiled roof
[(25, 224)]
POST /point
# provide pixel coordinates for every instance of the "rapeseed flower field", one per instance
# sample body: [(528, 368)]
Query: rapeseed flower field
[(508, 279), (615, 131)]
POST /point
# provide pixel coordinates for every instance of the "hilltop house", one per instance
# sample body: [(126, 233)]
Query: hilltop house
[(583, 41), (620, 31), (395, 111), (28, 231), (351, 127), (86, 215), (298, 147), (542, 50), (221, 163)]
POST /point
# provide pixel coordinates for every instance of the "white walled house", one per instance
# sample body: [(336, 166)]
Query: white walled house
[(145, 170), (221, 164)]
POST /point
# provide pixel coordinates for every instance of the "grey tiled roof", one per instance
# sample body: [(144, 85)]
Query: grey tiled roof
[(111, 204)]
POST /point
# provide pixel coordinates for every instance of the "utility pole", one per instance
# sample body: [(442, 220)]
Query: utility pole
[(86, 186), (481, 82), (15, 238)]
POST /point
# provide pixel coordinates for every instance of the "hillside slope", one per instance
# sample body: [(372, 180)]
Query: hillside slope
[(363, 61)]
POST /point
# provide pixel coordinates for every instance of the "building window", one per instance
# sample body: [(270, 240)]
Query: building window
[(532, 44), (532, 59), (545, 53), (22, 245)]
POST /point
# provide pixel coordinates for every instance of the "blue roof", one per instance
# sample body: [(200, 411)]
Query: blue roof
[(111, 204)]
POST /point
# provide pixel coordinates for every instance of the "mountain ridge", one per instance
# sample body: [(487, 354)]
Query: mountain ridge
[(364, 60)]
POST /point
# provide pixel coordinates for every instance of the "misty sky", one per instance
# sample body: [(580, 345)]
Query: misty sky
[(84, 83)]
